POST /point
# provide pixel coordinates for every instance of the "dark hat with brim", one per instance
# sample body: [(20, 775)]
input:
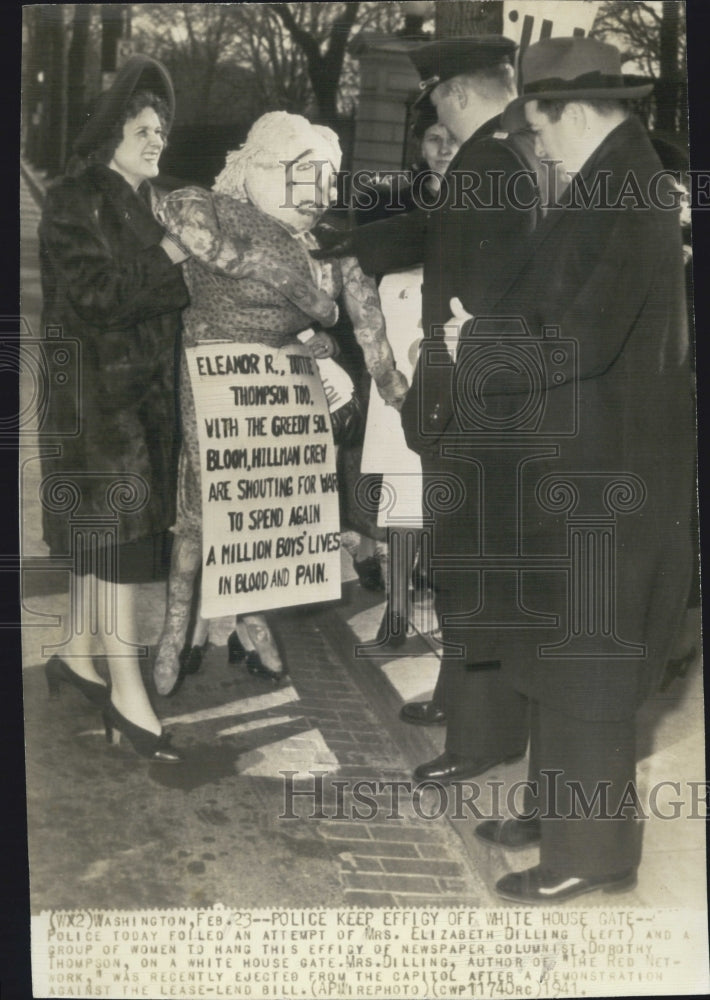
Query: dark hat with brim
[(138, 73), (572, 69), (450, 57)]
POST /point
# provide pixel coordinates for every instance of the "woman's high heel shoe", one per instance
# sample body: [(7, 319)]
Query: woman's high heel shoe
[(191, 658), (255, 666), (237, 653), (57, 671), (145, 743)]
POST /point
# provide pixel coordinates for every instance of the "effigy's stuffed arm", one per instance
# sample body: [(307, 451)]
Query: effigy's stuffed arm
[(362, 304), (190, 217)]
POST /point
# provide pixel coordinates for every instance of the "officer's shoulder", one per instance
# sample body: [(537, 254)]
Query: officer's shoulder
[(495, 148)]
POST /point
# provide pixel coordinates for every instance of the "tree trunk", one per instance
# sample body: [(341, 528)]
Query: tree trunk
[(76, 71), (325, 91), (53, 116), (667, 87), (31, 87), (468, 17), (113, 17)]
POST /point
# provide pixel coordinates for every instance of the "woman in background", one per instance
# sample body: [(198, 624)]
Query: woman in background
[(385, 451)]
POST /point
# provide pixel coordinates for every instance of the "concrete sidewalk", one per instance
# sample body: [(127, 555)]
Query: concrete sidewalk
[(108, 830)]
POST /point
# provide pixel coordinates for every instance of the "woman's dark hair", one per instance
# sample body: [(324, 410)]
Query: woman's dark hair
[(423, 119), (138, 101)]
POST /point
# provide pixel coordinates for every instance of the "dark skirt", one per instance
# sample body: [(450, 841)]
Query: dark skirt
[(141, 561)]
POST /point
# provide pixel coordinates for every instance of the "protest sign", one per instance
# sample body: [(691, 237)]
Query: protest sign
[(269, 491)]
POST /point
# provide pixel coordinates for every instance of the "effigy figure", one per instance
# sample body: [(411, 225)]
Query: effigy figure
[(252, 279)]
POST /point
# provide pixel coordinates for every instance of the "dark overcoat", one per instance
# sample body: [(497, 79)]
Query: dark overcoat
[(111, 292), (600, 286)]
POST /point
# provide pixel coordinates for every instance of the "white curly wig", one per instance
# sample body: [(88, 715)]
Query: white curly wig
[(273, 137)]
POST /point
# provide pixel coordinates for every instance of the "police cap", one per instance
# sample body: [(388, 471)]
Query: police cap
[(449, 57)]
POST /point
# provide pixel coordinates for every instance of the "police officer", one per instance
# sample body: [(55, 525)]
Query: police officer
[(487, 208)]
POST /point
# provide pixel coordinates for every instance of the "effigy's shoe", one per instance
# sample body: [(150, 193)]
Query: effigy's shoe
[(258, 669), (191, 658), (236, 651), (369, 573), (190, 661)]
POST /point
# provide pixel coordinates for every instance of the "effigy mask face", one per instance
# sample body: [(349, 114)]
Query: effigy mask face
[(297, 185)]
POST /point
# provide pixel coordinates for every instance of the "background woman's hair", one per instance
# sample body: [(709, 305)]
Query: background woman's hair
[(138, 101), (423, 117)]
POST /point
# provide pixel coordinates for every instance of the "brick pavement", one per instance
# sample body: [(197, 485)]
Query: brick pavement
[(384, 860)]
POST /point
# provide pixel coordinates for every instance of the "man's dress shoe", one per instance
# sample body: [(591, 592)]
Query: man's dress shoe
[(454, 767), (536, 885), (422, 713), (512, 834)]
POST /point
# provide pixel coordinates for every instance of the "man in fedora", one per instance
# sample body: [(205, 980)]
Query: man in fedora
[(464, 242), (605, 270)]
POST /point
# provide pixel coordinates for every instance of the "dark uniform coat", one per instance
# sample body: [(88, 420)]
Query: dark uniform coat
[(611, 280), (461, 243), (110, 287), (487, 210)]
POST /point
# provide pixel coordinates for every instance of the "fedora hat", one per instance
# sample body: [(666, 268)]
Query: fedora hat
[(442, 60), (572, 69), (137, 73)]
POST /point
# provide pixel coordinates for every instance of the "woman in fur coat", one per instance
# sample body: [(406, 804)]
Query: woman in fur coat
[(113, 291)]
